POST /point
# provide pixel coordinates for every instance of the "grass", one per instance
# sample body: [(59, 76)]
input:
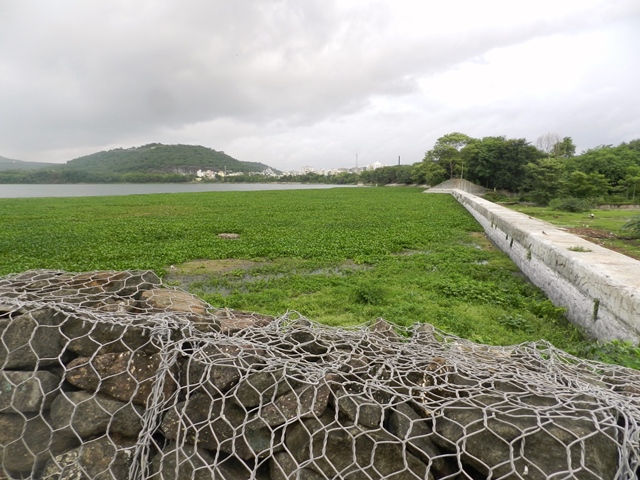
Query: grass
[(339, 256), (604, 228)]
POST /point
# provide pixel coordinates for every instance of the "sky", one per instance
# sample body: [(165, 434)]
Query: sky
[(321, 83)]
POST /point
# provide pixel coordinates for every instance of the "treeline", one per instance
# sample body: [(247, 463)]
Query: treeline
[(49, 176), (548, 170), (541, 172)]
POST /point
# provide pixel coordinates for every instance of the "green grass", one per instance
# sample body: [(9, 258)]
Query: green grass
[(339, 256), (605, 226)]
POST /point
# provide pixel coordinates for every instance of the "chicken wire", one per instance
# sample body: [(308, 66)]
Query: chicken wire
[(111, 375)]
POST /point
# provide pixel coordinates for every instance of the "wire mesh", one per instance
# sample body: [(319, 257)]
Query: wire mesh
[(111, 375)]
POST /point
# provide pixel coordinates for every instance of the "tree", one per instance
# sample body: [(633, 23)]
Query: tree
[(582, 185), (546, 142), (428, 173), (544, 179), (632, 181), (446, 153), (564, 148), (495, 162)]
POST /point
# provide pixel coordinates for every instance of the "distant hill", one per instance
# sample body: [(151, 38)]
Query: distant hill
[(10, 164), (161, 159)]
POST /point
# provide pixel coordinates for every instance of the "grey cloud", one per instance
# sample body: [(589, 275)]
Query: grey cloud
[(78, 73)]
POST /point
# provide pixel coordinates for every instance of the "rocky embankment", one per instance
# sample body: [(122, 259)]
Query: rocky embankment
[(112, 375)]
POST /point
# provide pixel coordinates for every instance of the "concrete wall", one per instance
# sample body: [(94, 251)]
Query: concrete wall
[(599, 287)]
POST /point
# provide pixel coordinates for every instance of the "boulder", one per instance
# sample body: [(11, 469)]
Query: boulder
[(27, 391), (218, 424), (125, 376), (344, 450), (217, 367), (170, 300), (87, 414), (282, 466), (31, 340), (26, 443), (88, 336), (99, 459), (415, 430), (187, 462), (488, 429), (233, 321), (264, 386)]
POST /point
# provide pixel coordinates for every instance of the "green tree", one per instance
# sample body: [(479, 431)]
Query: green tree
[(446, 153), (564, 148), (632, 181), (428, 173), (582, 185), (544, 179), (495, 162)]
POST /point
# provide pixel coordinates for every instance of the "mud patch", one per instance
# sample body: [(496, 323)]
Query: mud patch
[(592, 233), (185, 274), (481, 241)]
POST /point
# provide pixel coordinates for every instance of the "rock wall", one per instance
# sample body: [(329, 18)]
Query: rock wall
[(110, 375), (600, 288)]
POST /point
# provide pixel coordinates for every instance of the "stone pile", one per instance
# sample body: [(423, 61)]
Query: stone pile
[(111, 375)]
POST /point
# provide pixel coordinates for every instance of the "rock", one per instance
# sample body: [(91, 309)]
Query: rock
[(108, 335), (548, 440), (218, 367), (385, 330), (283, 466), (122, 283), (190, 463), (263, 387), (26, 443), (27, 391), (87, 414), (169, 300), (124, 376), (357, 408), (218, 424), (306, 341), (233, 321), (99, 459), (408, 426), (85, 289), (347, 451), (31, 340), (303, 402)]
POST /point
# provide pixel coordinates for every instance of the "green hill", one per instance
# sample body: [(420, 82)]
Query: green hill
[(10, 164), (162, 159)]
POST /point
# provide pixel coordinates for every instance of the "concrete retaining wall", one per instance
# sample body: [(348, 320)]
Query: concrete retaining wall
[(599, 287)]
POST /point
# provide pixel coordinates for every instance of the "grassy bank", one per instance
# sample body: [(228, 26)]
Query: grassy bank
[(603, 228), (339, 256)]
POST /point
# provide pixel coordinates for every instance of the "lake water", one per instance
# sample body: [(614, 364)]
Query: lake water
[(93, 190)]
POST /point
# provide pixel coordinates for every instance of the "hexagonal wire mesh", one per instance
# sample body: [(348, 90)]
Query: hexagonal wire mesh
[(110, 375)]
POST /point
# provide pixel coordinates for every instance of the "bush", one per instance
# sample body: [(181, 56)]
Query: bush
[(369, 293), (615, 352), (571, 204), (632, 226)]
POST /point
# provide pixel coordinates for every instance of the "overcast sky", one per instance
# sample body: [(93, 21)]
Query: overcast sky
[(292, 83)]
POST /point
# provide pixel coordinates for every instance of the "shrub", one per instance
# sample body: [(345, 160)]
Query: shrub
[(369, 293), (615, 352), (632, 226), (571, 204)]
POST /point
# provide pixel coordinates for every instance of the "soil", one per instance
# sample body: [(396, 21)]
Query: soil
[(600, 237)]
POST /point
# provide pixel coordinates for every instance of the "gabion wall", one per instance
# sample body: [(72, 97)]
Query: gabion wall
[(110, 375)]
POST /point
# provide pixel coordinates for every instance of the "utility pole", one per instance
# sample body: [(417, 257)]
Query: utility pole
[(398, 159)]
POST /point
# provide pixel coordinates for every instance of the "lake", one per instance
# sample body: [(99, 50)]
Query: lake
[(106, 189)]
